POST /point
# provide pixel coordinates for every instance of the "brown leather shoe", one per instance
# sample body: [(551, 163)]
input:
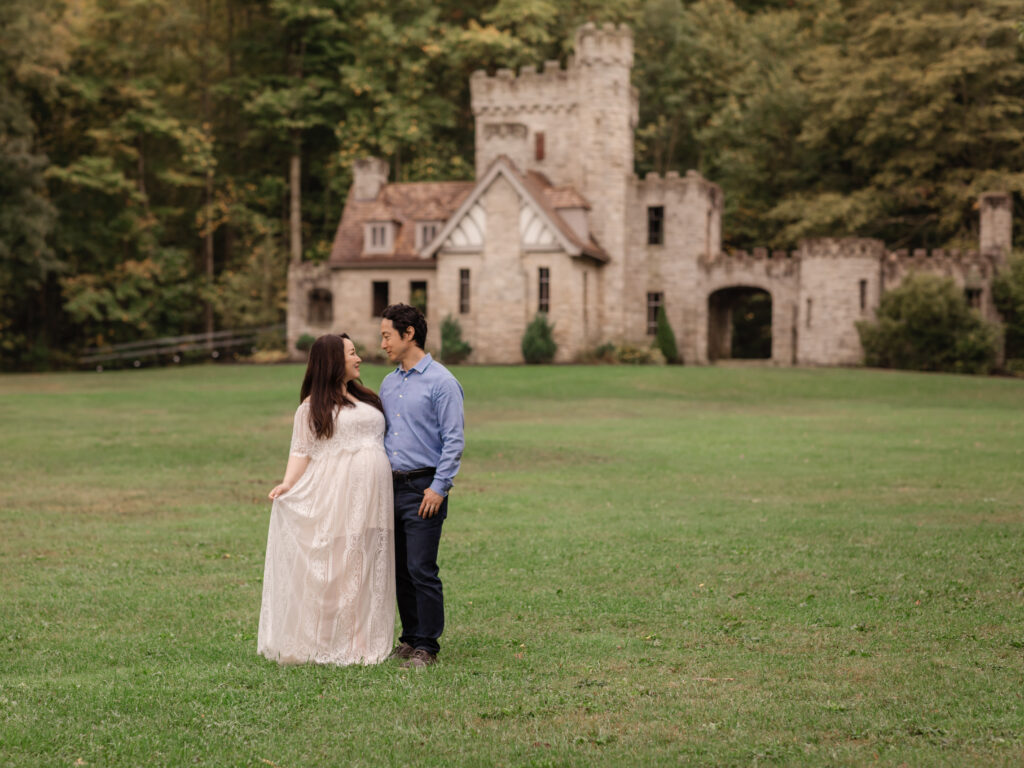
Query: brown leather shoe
[(420, 658), (401, 651)]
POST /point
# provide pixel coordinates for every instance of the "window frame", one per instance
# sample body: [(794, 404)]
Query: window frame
[(655, 225), (464, 284), (376, 309), (655, 301)]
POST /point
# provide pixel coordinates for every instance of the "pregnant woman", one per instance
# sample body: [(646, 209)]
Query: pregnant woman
[(329, 578)]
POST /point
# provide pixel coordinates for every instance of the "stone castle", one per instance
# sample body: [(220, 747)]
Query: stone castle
[(557, 222)]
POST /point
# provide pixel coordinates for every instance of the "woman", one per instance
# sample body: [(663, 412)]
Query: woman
[(329, 579)]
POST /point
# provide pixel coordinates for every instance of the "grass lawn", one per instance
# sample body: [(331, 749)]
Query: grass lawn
[(643, 566)]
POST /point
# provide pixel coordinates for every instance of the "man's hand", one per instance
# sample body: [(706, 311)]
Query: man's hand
[(431, 504), (278, 490)]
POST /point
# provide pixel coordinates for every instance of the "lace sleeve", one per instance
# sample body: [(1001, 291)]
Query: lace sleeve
[(303, 437)]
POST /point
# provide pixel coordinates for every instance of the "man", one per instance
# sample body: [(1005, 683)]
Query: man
[(424, 440)]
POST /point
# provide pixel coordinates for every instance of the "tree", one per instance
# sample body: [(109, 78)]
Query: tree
[(914, 110), (33, 49), (925, 324)]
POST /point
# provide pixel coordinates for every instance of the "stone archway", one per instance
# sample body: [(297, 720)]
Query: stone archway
[(740, 324)]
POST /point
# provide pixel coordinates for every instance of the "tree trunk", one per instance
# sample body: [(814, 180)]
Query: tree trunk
[(295, 218)]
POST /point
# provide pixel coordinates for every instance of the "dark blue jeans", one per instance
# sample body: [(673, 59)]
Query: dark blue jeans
[(420, 599)]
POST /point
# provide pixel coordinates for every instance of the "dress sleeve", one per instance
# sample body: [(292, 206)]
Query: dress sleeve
[(303, 437)]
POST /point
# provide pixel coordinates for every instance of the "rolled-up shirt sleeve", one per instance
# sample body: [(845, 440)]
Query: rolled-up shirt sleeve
[(447, 400)]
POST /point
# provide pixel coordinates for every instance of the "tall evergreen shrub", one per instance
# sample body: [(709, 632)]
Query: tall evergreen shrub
[(665, 339), (453, 349), (538, 342)]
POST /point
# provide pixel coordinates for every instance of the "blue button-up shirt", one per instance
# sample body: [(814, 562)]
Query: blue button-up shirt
[(423, 408)]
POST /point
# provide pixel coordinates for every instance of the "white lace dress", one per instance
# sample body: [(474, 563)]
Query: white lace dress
[(329, 578)]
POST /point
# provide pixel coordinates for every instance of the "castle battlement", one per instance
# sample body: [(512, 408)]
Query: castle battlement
[(607, 44), (841, 248), (504, 93), (672, 180)]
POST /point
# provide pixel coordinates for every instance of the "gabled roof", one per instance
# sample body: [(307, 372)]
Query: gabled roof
[(535, 188), (405, 203)]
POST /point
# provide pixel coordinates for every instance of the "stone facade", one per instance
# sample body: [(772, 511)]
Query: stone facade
[(556, 209)]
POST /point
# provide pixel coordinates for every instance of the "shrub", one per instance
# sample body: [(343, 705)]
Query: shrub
[(453, 349), (538, 343), (666, 339), (1008, 295), (304, 342), (925, 324)]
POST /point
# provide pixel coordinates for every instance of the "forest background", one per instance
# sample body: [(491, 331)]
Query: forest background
[(162, 160)]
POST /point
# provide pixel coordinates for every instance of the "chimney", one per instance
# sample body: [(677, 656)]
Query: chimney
[(369, 175), (996, 223)]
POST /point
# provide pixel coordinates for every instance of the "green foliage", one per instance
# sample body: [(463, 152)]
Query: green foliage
[(145, 147), (538, 343), (665, 339), (925, 324), (1008, 295), (304, 342), (926, 118), (453, 348)]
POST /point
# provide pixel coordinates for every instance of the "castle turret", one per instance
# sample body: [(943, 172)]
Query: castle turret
[(607, 118), (996, 224)]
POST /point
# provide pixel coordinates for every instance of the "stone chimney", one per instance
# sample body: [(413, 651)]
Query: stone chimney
[(996, 223), (369, 175)]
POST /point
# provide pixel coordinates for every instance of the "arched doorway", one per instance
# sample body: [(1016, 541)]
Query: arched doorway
[(740, 324)]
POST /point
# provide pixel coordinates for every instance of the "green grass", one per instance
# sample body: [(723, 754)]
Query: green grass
[(642, 566)]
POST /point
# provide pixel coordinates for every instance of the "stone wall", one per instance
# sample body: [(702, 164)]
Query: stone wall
[(777, 273), (692, 230), (829, 302), (353, 302)]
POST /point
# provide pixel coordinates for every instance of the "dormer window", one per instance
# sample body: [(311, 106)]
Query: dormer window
[(379, 237), (426, 231)]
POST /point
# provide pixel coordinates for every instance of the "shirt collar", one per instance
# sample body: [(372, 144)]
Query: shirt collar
[(420, 367)]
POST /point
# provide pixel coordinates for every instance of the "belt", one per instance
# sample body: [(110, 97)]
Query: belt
[(400, 475)]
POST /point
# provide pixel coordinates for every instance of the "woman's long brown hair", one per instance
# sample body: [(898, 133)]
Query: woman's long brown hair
[(325, 375)]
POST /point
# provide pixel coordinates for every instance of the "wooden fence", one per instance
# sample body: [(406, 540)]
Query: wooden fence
[(174, 348)]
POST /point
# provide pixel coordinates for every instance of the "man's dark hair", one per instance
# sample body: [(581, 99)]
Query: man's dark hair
[(403, 317)]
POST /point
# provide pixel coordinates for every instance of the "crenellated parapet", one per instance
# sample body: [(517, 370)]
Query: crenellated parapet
[(756, 263), (605, 45), (673, 182), (504, 93), (969, 268), (841, 248)]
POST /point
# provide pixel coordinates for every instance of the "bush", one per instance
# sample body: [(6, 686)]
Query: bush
[(926, 325), (1008, 295), (627, 354), (304, 342), (666, 339), (453, 349), (538, 343)]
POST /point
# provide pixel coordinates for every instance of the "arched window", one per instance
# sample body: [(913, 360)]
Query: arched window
[(321, 307)]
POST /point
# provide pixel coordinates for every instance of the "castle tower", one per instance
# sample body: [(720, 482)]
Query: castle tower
[(603, 62), (839, 284), (996, 223)]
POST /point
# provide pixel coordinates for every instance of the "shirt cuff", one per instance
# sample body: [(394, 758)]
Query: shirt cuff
[(440, 487)]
